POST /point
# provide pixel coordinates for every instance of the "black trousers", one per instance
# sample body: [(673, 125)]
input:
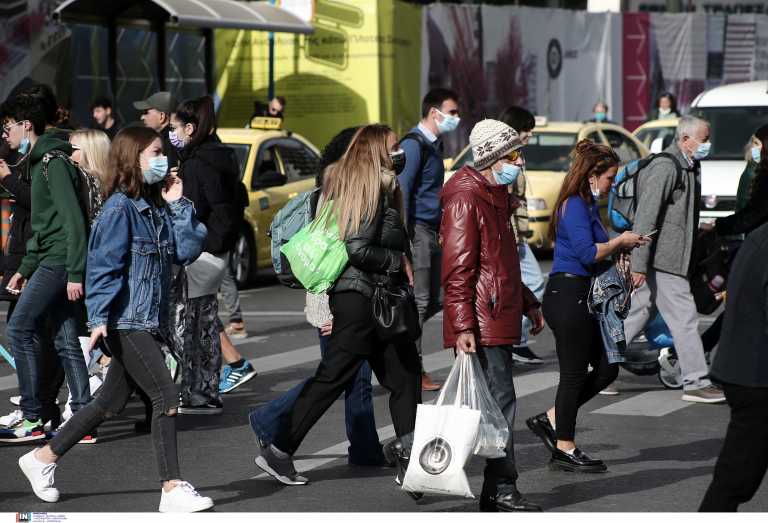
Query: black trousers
[(579, 344), (743, 460), (137, 362), (353, 341)]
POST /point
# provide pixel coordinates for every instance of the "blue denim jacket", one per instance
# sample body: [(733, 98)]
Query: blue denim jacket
[(132, 247), (609, 301)]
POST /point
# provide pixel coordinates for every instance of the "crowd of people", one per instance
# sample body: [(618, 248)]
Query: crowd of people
[(139, 267)]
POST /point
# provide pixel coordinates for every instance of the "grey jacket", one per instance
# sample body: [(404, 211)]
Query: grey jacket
[(673, 211)]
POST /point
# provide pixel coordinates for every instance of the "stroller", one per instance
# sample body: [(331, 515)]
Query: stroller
[(654, 352)]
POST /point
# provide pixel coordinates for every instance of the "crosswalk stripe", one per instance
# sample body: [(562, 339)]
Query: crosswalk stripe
[(525, 385), (655, 403)]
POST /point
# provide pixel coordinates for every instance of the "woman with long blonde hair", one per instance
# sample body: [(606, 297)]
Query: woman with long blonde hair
[(90, 149), (363, 196)]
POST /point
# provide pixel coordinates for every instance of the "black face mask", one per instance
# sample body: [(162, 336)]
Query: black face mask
[(398, 161)]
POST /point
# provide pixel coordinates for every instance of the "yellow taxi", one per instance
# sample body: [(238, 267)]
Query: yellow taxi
[(657, 135), (547, 158), (275, 166)]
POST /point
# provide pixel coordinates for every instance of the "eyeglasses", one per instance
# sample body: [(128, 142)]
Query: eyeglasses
[(7, 128), (513, 156)]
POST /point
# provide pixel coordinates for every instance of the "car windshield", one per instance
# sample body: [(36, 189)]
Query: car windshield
[(544, 152), (731, 129), (241, 151)]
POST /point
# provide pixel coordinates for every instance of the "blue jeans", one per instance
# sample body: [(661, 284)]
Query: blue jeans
[(532, 277), (45, 300), (364, 448)]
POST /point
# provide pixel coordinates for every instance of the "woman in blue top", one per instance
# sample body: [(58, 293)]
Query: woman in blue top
[(144, 227), (581, 242)]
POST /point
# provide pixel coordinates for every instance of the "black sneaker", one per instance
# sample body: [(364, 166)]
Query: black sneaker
[(525, 355), (213, 407), (281, 469)]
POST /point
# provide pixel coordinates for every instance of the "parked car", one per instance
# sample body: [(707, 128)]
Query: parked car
[(657, 135), (275, 166), (734, 112), (547, 158)]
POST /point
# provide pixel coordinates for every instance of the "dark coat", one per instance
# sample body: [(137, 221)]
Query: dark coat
[(483, 289), (742, 358), (754, 213), (375, 252), (211, 177)]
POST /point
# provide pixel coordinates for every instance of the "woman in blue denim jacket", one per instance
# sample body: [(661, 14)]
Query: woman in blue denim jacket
[(144, 227)]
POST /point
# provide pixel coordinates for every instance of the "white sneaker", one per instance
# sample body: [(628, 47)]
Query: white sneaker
[(15, 400), (183, 498), (12, 420), (40, 476)]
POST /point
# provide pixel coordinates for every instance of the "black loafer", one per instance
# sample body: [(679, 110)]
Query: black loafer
[(541, 426), (395, 452), (576, 462), (507, 501)]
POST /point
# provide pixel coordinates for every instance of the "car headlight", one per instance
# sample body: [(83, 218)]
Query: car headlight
[(710, 201), (537, 204)]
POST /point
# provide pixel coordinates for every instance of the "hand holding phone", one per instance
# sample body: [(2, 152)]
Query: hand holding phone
[(651, 234)]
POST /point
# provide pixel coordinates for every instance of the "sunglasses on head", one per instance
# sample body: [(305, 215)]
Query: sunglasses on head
[(513, 156)]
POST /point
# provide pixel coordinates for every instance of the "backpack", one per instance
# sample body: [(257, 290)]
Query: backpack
[(297, 213), (87, 189), (622, 199)]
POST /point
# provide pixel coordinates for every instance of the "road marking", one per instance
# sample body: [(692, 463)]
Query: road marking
[(273, 313), (655, 403), (250, 339), (525, 385), (287, 359)]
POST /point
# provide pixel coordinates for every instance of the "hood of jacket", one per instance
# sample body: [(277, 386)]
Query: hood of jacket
[(467, 179), (48, 142)]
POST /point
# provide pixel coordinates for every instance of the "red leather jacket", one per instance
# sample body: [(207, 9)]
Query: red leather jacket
[(481, 269)]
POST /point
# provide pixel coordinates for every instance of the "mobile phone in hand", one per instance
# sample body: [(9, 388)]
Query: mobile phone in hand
[(651, 234)]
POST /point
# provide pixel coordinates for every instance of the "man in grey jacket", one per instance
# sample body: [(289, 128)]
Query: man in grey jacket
[(660, 271)]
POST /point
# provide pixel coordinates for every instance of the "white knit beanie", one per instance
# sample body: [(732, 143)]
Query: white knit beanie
[(492, 140)]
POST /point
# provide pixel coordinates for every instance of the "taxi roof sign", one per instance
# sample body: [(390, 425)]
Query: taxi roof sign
[(541, 121), (266, 122)]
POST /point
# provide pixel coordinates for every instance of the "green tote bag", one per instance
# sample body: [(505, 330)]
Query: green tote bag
[(316, 253)]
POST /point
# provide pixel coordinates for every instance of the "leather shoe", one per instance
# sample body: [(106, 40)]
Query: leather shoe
[(541, 426), (576, 462), (507, 501), (394, 451), (428, 385)]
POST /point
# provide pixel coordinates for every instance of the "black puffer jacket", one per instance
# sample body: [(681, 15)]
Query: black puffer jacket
[(375, 252), (211, 179), (753, 215)]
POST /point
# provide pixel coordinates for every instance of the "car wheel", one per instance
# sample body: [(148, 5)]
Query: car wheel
[(244, 259)]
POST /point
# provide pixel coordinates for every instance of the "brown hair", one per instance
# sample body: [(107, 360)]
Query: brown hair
[(123, 167), (587, 159), (357, 181)]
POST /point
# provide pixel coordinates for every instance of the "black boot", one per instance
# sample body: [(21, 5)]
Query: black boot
[(506, 499), (396, 451), (541, 426), (576, 462)]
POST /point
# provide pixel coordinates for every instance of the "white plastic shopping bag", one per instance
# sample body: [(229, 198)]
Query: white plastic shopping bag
[(466, 387), (442, 442)]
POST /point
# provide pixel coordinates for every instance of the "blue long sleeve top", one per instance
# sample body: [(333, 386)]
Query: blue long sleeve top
[(578, 231)]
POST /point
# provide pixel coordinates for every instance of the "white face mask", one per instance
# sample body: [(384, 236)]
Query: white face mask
[(664, 112), (594, 190)]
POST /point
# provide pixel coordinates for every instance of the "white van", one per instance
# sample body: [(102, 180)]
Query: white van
[(734, 112)]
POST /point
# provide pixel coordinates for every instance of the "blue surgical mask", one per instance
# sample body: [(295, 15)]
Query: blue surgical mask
[(449, 122), (756, 156), (24, 146), (702, 151), (158, 170), (176, 140), (508, 175), (600, 116)]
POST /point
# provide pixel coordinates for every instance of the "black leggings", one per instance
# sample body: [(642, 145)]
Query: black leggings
[(579, 345), (137, 362)]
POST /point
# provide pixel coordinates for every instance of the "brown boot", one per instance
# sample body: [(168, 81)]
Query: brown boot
[(427, 384)]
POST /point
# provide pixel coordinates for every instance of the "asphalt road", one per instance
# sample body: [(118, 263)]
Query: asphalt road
[(660, 451)]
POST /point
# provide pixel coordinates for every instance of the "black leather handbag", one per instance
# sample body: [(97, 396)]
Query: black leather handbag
[(395, 312)]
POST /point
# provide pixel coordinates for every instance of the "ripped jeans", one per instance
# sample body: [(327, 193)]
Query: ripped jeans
[(137, 362)]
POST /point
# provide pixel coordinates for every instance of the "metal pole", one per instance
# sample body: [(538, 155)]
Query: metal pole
[(162, 52), (271, 84), (112, 56), (209, 61)]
